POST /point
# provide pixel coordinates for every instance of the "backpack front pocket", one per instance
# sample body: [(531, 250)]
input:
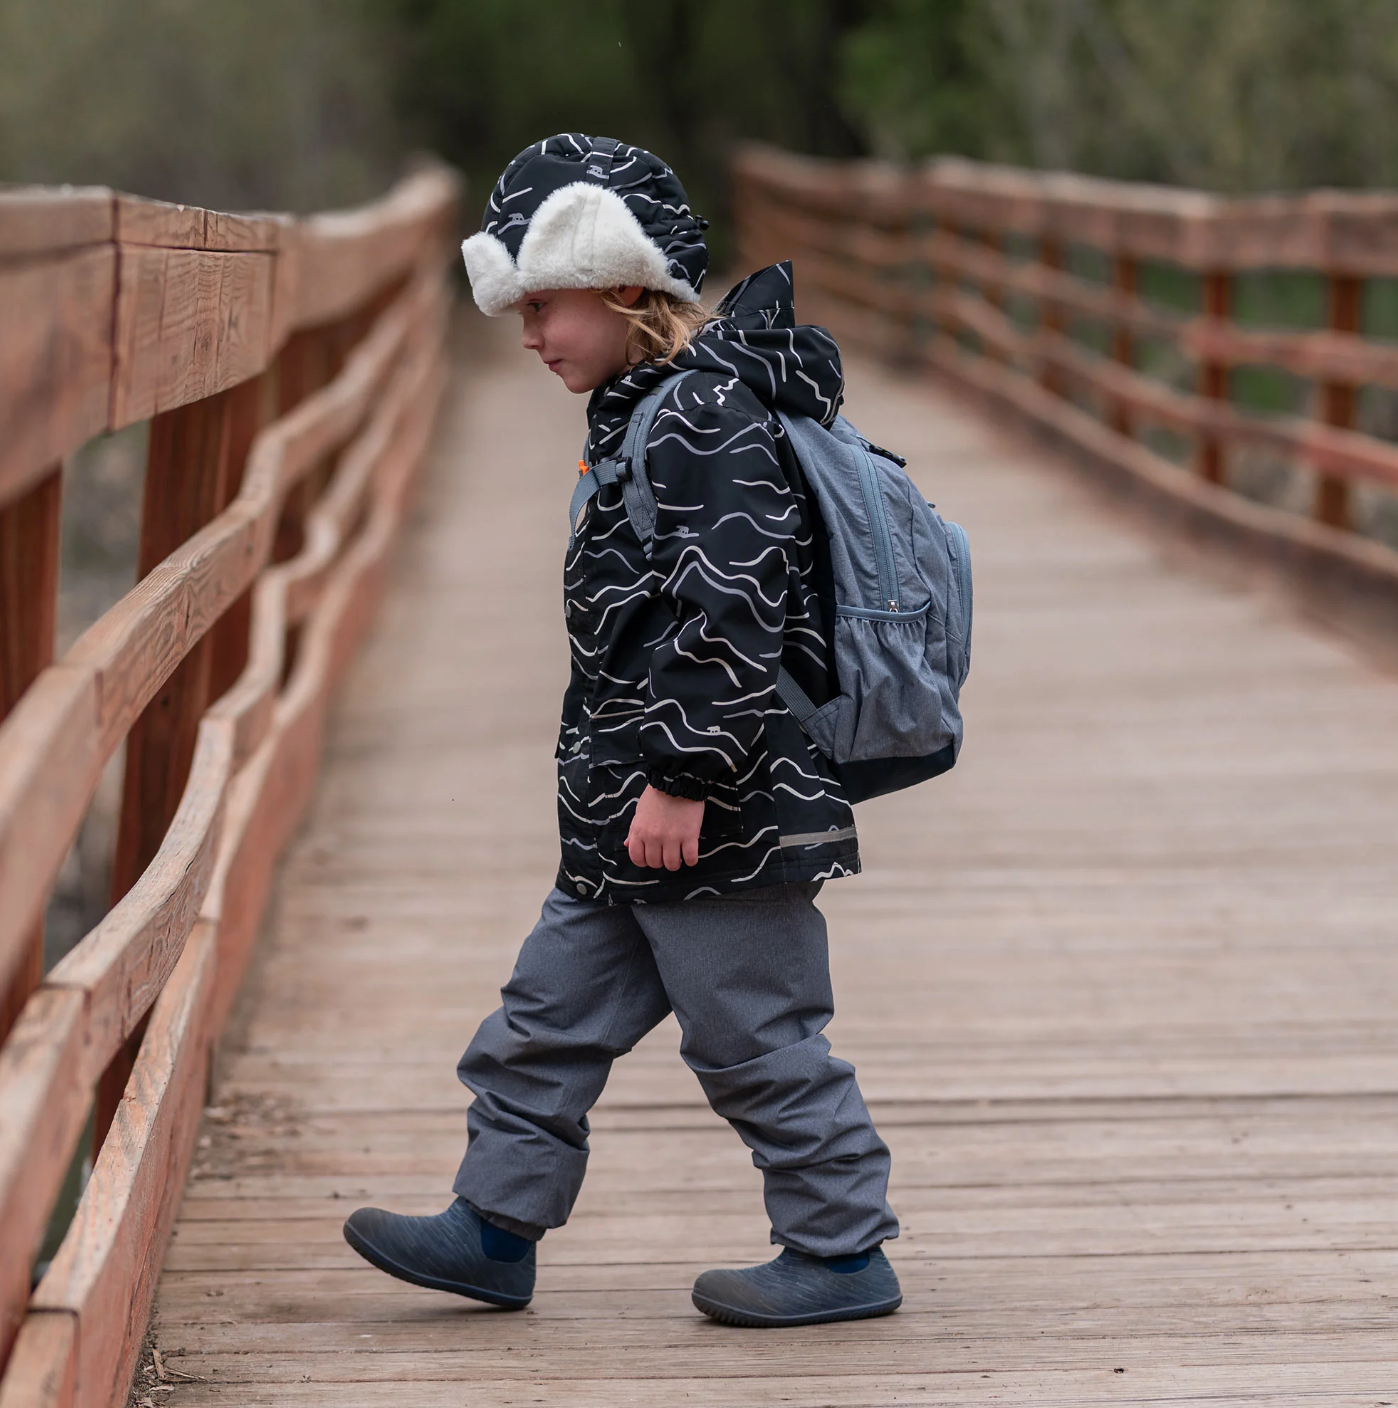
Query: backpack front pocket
[(889, 683)]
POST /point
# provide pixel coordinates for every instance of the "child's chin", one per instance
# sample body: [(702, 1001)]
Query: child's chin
[(576, 382)]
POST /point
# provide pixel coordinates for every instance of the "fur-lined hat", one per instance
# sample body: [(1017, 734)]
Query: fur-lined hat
[(585, 212)]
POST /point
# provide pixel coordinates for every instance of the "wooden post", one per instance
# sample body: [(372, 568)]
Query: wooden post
[(898, 321), (251, 405), (29, 558), (303, 366), (944, 286), (1051, 318), (1213, 376), (1339, 400), (993, 294), (1126, 280), (194, 465)]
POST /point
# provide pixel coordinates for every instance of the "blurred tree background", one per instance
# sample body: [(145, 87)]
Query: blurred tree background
[(481, 79), (274, 104), (299, 104), (1230, 95)]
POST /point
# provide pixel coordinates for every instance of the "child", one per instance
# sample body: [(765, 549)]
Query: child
[(697, 820)]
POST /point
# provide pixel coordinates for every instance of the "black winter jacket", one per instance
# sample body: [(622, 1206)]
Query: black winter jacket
[(674, 660)]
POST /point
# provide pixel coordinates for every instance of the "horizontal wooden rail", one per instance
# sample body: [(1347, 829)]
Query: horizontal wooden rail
[(1354, 232), (339, 320), (117, 308), (963, 267)]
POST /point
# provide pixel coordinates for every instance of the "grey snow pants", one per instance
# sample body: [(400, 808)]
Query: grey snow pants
[(748, 977)]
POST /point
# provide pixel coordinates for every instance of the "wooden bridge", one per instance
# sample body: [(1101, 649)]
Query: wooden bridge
[(1120, 989)]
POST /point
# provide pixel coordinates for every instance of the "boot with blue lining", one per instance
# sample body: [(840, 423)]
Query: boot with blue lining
[(456, 1251), (796, 1289)]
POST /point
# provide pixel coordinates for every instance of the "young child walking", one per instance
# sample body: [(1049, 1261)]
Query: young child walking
[(698, 821)]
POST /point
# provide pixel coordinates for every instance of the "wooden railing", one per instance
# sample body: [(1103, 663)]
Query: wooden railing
[(969, 269), (290, 371)]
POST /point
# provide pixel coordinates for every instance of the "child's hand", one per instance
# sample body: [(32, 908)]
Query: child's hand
[(665, 830)]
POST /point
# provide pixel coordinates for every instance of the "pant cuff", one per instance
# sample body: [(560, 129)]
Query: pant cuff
[(530, 1231)]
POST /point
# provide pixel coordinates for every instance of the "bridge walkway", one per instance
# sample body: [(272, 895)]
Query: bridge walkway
[(1120, 989)]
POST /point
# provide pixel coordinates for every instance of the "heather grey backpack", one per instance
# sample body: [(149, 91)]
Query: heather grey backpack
[(902, 586)]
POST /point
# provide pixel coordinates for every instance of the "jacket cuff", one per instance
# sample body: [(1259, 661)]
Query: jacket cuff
[(679, 784)]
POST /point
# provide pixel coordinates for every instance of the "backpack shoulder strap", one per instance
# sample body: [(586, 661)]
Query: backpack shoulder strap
[(629, 468), (794, 697)]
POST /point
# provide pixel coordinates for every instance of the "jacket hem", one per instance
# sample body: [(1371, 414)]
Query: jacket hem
[(682, 887)]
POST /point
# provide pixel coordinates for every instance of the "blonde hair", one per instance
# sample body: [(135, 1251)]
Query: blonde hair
[(661, 326)]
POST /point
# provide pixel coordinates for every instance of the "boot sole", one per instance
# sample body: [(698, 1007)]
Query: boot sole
[(375, 1257), (750, 1320)]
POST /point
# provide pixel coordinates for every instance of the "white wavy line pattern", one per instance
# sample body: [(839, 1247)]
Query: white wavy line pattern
[(674, 659)]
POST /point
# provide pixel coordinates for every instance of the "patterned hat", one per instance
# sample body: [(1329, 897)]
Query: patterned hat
[(585, 212)]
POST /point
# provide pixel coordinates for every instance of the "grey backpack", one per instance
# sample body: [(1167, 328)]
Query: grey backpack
[(902, 586)]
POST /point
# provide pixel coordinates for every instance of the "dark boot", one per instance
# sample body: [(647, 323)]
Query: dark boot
[(796, 1289), (456, 1251)]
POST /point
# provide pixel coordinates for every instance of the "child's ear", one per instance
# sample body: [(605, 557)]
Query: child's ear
[(630, 294)]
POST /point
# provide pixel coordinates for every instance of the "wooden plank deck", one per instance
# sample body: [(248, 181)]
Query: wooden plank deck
[(1121, 992)]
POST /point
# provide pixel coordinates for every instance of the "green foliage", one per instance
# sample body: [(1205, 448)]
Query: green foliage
[(1235, 95), (274, 103), (916, 78)]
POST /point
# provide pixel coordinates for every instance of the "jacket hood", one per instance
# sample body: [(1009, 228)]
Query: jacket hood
[(754, 337)]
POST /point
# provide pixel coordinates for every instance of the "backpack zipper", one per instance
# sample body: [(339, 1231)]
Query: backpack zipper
[(961, 546), (878, 528)]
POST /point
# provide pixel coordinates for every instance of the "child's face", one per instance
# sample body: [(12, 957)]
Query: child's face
[(577, 337)]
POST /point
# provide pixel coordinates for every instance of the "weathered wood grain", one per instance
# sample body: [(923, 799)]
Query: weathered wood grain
[(51, 758), (105, 1272), (44, 1114), (1024, 1295), (122, 966), (1290, 1384), (192, 472), (53, 748), (194, 327), (55, 360), (140, 220), (29, 561), (42, 1372), (42, 220), (159, 222), (189, 323), (252, 406)]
